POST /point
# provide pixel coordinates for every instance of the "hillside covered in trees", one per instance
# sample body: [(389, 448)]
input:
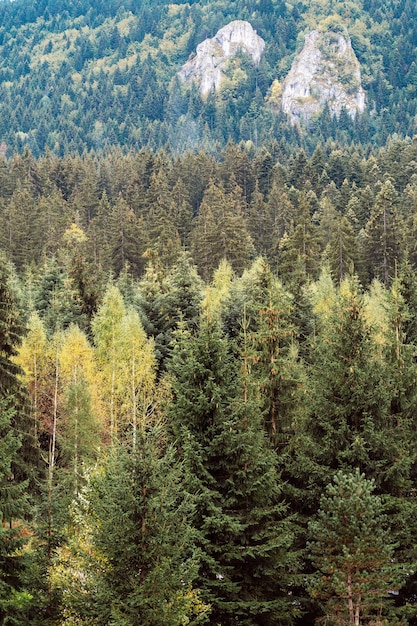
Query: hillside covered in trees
[(84, 74), (208, 322)]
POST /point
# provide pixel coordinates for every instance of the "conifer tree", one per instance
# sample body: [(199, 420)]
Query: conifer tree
[(17, 460), (384, 234), (11, 331), (349, 399), (133, 559), (220, 232), (299, 249), (160, 220), (127, 239), (275, 363), (244, 534), (14, 599), (55, 298), (341, 251), (166, 299), (352, 549), (257, 217)]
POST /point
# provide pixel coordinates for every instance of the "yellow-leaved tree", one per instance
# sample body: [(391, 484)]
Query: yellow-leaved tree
[(136, 377), (81, 402), (127, 365)]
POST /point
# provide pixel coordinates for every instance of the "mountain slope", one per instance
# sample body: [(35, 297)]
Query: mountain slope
[(88, 75)]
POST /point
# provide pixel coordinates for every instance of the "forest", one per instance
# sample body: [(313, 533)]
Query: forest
[(208, 387), (79, 75), (208, 322)]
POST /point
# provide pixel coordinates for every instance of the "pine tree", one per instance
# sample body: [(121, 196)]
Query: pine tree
[(352, 549)]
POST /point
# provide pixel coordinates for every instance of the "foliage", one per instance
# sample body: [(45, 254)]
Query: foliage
[(351, 547), (133, 559)]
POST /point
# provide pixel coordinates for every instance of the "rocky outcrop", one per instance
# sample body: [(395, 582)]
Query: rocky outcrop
[(208, 65), (325, 72)]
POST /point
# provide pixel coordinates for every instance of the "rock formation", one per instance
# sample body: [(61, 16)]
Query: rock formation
[(325, 72), (211, 59)]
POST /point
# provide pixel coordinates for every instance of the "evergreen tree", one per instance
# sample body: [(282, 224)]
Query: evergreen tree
[(383, 234), (16, 461), (352, 549), (135, 553), (11, 331), (244, 534), (276, 365), (341, 251), (220, 232), (55, 297), (299, 249), (166, 300), (127, 239), (14, 598)]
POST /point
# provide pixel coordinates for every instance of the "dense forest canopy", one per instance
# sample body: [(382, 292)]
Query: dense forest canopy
[(89, 75), (220, 353), (208, 323)]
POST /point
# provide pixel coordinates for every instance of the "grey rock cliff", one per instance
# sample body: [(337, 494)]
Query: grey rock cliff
[(325, 72), (208, 65)]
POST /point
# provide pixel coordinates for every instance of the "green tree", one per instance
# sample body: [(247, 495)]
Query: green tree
[(16, 461), (341, 251), (167, 298), (244, 533), (55, 298), (14, 598), (11, 331), (273, 352), (132, 559), (220, 232), (352, 549), (384, 234), (299, 248)]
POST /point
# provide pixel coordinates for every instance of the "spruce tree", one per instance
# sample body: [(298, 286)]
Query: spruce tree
[(17, 461), (132, 559), (14, 599), (244, 533), (384, 235), (220, 231)]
